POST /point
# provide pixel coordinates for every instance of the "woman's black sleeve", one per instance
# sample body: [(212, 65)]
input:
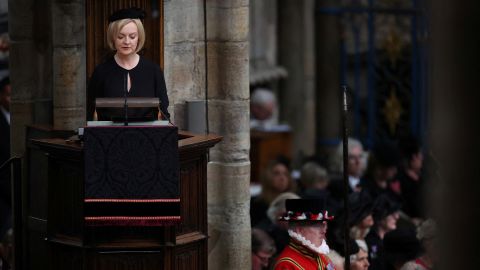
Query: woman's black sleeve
[(93, 91), (161, 91)]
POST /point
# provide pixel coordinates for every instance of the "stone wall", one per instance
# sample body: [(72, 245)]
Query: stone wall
[(69, 64), (186, 74), (32, 71), (184, 55)]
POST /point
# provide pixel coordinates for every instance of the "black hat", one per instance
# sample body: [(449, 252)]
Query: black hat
[(339, 246), (306, 210), (384, 206), (360, 207), (127, 13), (401, 245)]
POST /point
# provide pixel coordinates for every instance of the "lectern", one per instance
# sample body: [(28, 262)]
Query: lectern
[(126, 236)]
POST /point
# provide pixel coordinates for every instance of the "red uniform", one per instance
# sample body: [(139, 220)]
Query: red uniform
[(297, 257)]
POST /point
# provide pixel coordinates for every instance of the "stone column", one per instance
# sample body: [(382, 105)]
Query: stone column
[(69, 67), (328, 102), (297, 54), (30, 68), (228, 113)]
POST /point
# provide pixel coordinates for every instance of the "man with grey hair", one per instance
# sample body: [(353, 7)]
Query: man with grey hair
[(307, 220), (357, 158), (263, 109)]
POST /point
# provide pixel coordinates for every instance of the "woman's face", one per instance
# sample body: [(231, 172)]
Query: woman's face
[(389, 223), (361, 263), (127, 39), (279, 178), (416, 163), (366, 222)]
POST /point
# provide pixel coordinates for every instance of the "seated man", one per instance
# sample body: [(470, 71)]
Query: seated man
[(263, 109), (263, 248), (307, 221)]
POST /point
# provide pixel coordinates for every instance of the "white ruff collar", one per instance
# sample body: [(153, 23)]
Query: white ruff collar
[(322, 249)]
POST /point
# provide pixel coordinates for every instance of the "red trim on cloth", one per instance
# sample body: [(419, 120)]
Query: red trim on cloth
[(132, 221)]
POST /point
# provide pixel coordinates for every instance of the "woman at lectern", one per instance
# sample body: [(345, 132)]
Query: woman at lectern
[(127, 74)]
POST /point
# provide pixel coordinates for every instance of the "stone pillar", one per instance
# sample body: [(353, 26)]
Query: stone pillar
[(184, 57), (69, 67), (30, 68), (229, 166), (328, 102), (297, 55)]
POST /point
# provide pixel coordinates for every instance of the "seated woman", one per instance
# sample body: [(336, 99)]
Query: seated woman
[(275, 180), (127, 74)]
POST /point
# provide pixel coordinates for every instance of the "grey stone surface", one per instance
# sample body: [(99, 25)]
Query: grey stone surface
[(184, 21), (178, 116), (231, 120), (30, 71), (229, 218), (230, 18), (69, 77), (185, 71), (228, 70), (228, 113), (69, 118), (71, 30), (228, 3), (21, 17), (233, 182), (43, 111), (230, 249)]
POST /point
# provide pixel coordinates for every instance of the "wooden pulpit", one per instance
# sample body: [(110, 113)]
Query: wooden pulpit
[(127, 235)]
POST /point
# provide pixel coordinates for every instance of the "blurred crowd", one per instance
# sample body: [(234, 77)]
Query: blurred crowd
[(388, 225)]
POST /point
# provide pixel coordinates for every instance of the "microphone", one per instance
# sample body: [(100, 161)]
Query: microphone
[(125, 106)]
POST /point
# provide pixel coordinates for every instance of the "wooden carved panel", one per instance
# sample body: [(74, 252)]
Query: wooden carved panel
[(190, 257), (127, 260), (193, 205), (97, 13)]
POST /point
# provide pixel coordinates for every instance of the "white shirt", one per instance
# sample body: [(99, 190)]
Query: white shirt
[(353, 181)]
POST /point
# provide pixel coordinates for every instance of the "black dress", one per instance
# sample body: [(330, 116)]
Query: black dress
[(108, 80), (375, 251)]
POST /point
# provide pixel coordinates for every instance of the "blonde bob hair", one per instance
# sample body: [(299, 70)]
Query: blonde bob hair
[(115, 27)]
